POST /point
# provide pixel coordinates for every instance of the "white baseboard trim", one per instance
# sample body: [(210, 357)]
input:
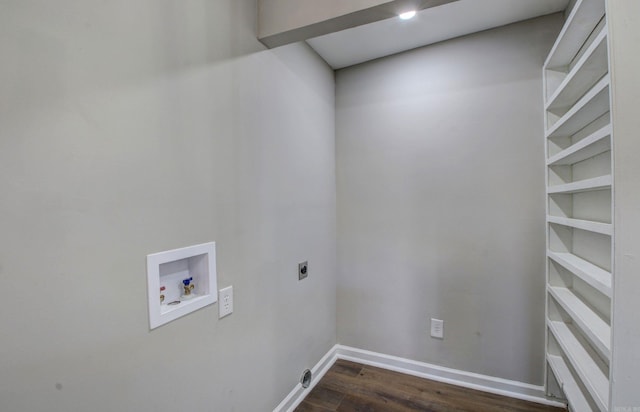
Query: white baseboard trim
[(498, 386), (297, 395)]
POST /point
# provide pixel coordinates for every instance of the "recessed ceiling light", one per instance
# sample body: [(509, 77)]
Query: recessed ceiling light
[(407, 15)]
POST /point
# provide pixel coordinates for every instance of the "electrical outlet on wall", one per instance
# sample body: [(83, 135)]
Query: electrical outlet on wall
[(225, 301), (303, 270), (437, 328)]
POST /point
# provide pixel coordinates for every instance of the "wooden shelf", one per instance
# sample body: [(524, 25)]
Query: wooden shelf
[(596, 183), (591, 274), (592, 145), (591, 106), (591, 67), (570, 387), (592, 377), (597, 227), (583, 19), (597, 331)]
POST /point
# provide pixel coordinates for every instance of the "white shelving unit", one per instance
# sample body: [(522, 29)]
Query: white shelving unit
[(579, 210), (597, 143), (595, 276), (595, 183), (596, 330), (585, 365), (591, 67), (572, 391), (590, 107), (587, 225)]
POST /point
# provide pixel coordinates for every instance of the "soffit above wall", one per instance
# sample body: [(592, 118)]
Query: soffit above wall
[(386, 37), (282, 22)]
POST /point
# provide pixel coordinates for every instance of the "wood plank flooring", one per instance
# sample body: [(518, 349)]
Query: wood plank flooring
[(352, 387)]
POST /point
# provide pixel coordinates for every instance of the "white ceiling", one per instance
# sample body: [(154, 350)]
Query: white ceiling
[(386, 37)]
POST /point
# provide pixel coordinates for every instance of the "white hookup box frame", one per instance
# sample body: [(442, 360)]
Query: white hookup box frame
[(168, 270)]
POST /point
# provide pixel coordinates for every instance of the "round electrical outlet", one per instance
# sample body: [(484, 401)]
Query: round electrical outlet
[(306, 378), (303, 270)]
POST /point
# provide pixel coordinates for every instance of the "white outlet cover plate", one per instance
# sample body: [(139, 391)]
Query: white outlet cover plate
[(225, 302), (437, 328)]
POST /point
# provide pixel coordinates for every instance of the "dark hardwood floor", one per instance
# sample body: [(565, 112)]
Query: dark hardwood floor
[(352, 387)]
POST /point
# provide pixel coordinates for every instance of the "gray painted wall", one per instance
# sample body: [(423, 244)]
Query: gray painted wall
[(132, 127), (623, 20), (440, 185)]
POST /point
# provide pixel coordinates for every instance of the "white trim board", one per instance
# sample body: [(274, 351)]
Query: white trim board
[(498, 386), (297, 395)]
